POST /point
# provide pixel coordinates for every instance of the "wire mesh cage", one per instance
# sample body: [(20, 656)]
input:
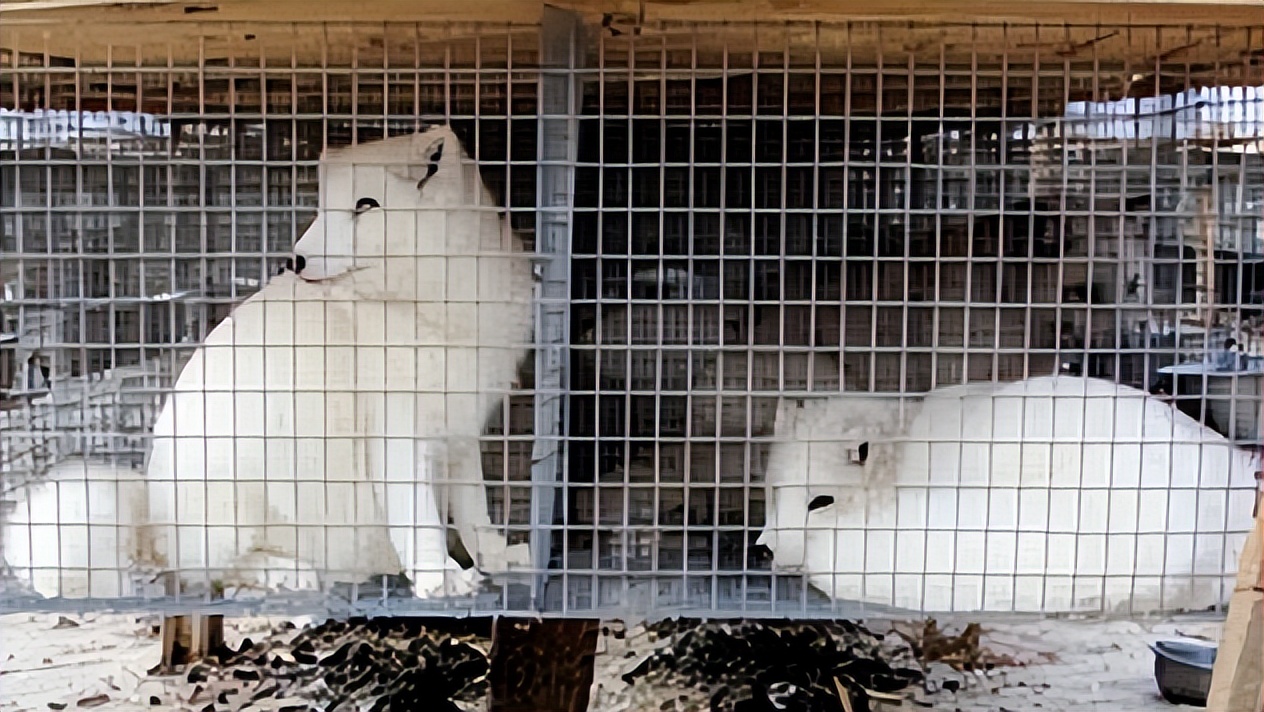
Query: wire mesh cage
[(790, 319)]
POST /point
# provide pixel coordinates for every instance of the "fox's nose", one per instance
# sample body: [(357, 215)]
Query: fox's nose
[(296, 264)]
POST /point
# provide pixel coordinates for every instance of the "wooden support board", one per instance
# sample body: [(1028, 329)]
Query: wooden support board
[(1237, 681), (542, 665)]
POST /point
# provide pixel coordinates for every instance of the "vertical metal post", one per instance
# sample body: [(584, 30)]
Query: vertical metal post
[(561, 52)]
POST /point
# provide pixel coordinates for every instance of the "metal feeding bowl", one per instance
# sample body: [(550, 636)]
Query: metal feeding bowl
[(1183, 671)]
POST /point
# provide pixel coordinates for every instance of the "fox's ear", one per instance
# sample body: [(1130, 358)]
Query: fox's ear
[(427, 146), (425, 154)]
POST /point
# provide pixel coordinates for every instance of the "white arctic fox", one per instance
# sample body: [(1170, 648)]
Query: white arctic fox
[(1051, 494), (329, 427), (72, 534)]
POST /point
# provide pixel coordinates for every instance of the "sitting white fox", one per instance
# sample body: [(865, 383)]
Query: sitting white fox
[(329, 427)]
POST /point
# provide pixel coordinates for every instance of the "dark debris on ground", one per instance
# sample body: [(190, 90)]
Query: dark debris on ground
[(757, 666), (342, 666)]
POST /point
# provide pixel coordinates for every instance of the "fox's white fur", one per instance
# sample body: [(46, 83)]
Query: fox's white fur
[(72, 532), (1051, 494), (333, 419)]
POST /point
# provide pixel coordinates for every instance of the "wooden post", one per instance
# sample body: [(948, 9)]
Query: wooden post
[(177, 641), (1237, 681), (186, 639), (542, 665), (208, 635)]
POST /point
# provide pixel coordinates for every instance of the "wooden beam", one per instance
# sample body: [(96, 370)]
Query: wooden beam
[(1085, 30), (542, 665), (738, 10)]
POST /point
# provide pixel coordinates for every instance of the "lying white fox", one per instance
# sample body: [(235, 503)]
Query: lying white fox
[(1051, 494)]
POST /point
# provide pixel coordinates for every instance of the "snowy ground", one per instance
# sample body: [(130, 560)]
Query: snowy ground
[(1100, 665), (102, 663), (1071, 665)]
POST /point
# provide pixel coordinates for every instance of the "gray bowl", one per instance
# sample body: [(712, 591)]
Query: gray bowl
[(1183, 671)]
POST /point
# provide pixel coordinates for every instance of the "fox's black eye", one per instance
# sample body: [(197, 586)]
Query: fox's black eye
[(364, 204), (819, 501)]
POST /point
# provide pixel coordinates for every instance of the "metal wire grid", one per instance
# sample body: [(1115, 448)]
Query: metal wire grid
[(212, 202), (759, 213)]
